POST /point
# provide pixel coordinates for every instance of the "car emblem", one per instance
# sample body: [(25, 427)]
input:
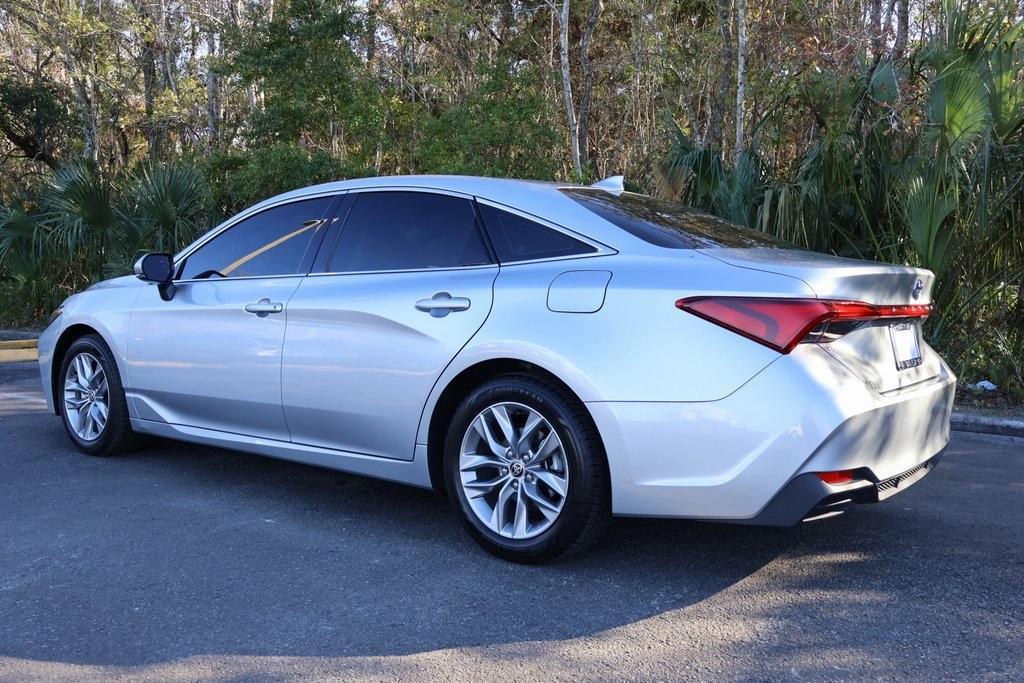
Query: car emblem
[(918, 287)]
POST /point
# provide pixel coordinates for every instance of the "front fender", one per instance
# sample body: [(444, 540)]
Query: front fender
[(105, 311)]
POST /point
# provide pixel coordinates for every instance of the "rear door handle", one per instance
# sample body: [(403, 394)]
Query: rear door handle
[(442, 303), (264, 307)]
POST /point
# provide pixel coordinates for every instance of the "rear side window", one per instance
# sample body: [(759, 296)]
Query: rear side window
[(669, 224), (409, 231), (271, 242), (518, 239)]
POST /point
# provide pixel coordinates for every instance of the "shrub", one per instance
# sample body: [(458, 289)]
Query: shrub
[(240, 179)]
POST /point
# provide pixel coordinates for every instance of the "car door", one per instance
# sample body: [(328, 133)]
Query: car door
[(211, 356), (407, 285)]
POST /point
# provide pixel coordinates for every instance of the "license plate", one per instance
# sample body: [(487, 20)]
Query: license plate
[(906, 345)]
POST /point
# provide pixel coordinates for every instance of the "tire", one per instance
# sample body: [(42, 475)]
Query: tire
[(577, 457), (115, 436)]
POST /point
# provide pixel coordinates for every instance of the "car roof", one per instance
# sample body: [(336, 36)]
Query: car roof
[(537, 198)]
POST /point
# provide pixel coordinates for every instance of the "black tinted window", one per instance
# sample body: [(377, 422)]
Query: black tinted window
[(272, 242), (668, 224), (518, 239), (409, 231)]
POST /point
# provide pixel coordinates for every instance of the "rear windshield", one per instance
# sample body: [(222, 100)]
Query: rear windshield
[(668, 224)]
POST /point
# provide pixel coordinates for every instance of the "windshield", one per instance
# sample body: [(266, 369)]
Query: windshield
[(669, 224)]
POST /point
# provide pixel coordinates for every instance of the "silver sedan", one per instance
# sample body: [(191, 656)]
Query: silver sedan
[(550, 355)]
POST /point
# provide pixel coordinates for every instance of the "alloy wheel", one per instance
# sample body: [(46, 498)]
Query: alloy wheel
[(86, 397), (513, 470)]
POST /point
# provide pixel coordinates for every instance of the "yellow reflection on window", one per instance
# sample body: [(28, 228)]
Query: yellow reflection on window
[(267, 247)]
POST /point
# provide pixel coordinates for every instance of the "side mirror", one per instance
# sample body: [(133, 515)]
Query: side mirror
[(155, 267), (159, 268)]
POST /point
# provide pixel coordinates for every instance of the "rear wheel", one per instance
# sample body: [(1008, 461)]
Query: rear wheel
[(91, 399), (526, 470)]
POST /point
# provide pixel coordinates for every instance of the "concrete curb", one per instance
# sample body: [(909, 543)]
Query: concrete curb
[(18, 344), (18, 355), (978, 423)]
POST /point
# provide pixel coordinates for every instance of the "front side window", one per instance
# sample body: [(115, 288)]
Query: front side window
[(519, 239), (272, 242), (668, 224), (409, 231)]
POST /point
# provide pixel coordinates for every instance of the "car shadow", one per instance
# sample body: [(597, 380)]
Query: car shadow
[(180, 550)]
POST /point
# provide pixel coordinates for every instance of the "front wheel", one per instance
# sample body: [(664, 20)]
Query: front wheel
[(526, 471), (91, 399)]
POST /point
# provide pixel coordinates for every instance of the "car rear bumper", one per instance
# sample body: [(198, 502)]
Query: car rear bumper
[(806, 498), (729, 460)]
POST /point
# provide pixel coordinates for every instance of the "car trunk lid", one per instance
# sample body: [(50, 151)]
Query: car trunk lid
[(833, 277)]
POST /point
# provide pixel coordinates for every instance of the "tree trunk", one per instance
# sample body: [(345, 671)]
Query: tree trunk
[(719, 96), (875, 28), (902, 27), (372, 8), (570, 110), (506, 18), (588, 82), (149, 96), (150, 84), (86, 104), (741, 74), (212, 93)]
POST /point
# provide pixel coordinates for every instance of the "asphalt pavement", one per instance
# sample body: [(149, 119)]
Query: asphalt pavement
[(188, 562)]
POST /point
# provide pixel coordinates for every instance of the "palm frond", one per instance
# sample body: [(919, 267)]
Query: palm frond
[(958, 110)]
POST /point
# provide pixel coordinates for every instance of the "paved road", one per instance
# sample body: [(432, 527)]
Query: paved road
[(187, 562)]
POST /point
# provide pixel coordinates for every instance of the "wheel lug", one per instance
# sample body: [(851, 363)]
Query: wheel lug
[(530, 477), (515, 484)]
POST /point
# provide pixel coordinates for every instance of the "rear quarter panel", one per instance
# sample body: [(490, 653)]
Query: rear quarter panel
[(637, 346)]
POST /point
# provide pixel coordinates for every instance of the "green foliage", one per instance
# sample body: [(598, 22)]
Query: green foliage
[(241, 179), (78, 213), (30, 269), (957, 111), (165, 204), (501, 129), (34, 115), (926, 207), (885, 83), (301, 58), (36, 297), (83, 227)]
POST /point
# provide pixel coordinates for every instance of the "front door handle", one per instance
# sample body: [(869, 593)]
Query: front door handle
[(264, 307), (442, 303)]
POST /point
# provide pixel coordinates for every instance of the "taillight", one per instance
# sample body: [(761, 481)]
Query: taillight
[(781, 324), (836, 478)]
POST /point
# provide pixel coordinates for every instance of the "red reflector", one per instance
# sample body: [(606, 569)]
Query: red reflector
[(836, 478), (781, 324)]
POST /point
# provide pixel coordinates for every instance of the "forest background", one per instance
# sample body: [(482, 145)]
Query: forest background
[(880, 129)]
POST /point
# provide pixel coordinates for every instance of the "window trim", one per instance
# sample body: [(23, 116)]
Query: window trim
[(601, 248), (329, 214), (478, 220)]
